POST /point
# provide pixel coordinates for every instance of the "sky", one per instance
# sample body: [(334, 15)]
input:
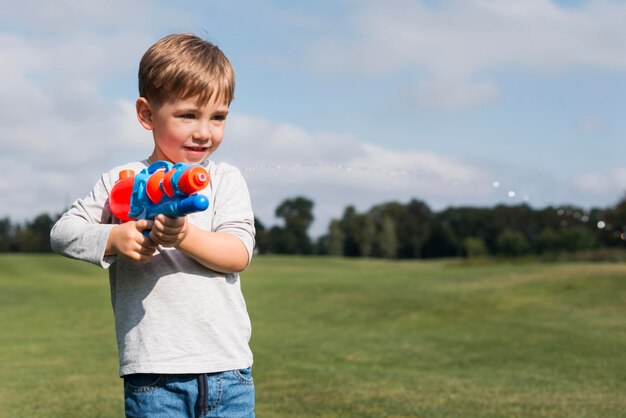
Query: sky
[(345, 102)]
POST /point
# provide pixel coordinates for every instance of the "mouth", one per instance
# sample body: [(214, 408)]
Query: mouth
[(196, 149)]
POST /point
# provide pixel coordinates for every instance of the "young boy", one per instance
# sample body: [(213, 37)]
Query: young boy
[(180, 317)]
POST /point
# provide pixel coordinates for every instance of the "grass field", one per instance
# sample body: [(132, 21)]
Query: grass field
[(347, 338)]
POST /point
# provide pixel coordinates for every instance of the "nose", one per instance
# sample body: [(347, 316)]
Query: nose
[(202, 132)]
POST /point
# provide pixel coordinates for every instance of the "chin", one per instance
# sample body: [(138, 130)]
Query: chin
[(194, 160)]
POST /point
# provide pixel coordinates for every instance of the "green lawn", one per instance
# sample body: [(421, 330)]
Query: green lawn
[(346, 338)]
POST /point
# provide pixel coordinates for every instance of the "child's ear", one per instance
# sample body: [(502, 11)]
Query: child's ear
[(144, 113)]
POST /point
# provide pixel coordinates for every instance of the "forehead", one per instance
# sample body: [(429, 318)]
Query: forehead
[(214, 104)]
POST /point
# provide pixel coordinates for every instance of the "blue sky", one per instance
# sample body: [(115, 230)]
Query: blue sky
[(345, 102)]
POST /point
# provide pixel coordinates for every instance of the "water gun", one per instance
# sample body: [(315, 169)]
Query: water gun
[(162, 188)]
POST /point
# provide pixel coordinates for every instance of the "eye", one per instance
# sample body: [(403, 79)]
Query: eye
[(187, 116), (219, 117)]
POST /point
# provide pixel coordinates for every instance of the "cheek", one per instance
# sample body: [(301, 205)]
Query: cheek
[(175, 134), (218, 135)]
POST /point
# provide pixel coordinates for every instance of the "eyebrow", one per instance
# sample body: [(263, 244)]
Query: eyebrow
[(188, 109), (197, 109)]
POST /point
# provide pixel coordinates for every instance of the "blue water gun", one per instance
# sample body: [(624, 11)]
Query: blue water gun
[(162, 188)]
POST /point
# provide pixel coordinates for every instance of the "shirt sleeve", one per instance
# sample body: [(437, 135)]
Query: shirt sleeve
[(82, 232), (233, 209)]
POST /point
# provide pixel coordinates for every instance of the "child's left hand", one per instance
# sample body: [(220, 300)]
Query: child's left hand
[(168, 232)]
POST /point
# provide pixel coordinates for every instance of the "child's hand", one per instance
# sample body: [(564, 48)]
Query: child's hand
[(169, 232), (128, 239)]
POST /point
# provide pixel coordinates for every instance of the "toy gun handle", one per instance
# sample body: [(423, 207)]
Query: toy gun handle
[(178, 208)]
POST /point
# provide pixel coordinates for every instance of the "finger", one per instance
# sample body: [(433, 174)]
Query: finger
[(158, 224), (148, 242), (166, 224), (147, 250), (143, 259), (173, 222), (155, 237), (142, 254), (137, 256), (144, 224), (169, 231), (161, 219), (165, 228)]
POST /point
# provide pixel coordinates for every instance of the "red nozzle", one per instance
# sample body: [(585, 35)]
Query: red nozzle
[(193, 180)]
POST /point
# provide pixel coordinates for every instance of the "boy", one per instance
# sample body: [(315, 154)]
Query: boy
[(180, 317)]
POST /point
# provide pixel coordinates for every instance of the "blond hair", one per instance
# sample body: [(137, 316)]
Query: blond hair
[(183, 66)]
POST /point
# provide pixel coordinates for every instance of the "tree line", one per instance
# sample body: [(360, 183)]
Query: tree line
[(402, 231), (396, 230)]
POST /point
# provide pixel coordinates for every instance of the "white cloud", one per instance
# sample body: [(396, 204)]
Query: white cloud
[(452, 43), (73, 16), (58, 132), (280, 160), (612, 183), (449, 94)]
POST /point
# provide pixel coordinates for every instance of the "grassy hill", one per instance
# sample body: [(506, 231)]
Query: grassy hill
[(346, 338)]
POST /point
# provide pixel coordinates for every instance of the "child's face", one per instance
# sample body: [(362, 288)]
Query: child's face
[(183, 130)]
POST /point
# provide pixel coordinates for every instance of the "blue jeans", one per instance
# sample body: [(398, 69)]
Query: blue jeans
[(227, 394)]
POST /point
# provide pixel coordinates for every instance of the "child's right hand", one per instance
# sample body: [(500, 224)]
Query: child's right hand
[(128, 239)]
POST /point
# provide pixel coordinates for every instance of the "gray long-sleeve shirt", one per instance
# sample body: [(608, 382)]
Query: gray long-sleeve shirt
[(172, 315)]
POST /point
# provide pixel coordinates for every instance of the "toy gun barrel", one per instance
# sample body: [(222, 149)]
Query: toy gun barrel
[(178, 208)]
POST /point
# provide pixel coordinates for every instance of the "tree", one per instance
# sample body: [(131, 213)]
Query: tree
[(366, 235), (350, 227), (6, 234), (442, 242), (512, 243), (387, 238), (34, 236), (549, 241), (297, 214), (468, 222), (262, 237), (419, 225), (615, 220), (413, 223), (475, 247), (335, 238)]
